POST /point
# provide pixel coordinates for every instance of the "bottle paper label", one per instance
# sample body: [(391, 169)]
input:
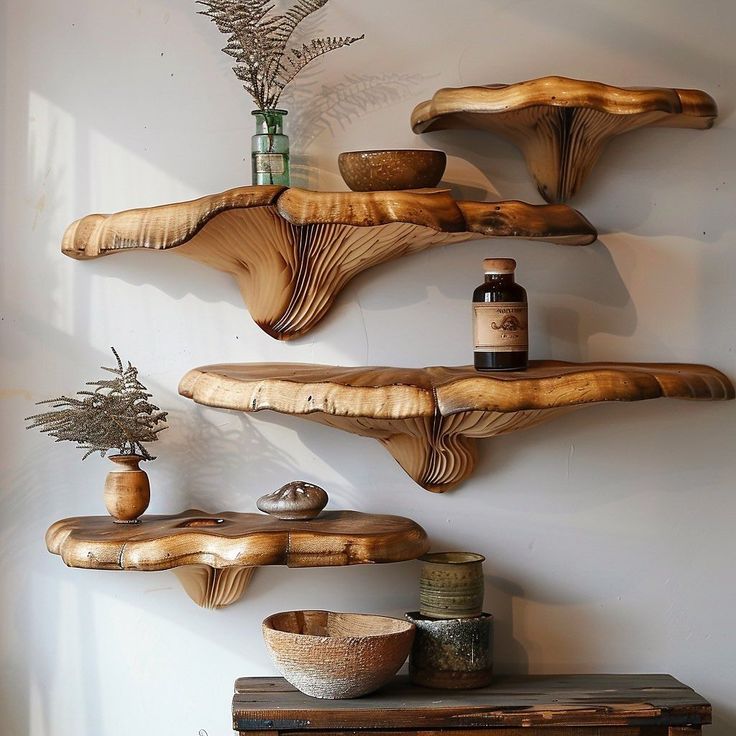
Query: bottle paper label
[(500, 327), (269, 163)]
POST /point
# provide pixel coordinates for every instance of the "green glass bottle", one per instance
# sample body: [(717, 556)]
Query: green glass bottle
[(270, 148)]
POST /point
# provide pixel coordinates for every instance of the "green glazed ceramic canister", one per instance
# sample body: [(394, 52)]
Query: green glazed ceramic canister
[(451, 585)]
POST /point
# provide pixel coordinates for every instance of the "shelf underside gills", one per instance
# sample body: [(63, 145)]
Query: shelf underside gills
[(562, 125), (429, 418), (292, 251), (215, 555)]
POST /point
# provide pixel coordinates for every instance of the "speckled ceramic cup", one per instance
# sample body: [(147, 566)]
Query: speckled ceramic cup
[(452, 654), (374, 171)]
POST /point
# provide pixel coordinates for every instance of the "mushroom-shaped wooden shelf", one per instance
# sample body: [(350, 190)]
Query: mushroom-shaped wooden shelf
[(428, 418), (215, 555), (562, 125), (292, 250)]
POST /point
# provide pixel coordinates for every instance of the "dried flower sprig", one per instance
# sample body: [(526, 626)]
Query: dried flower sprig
[(116, 415), (258, 42)]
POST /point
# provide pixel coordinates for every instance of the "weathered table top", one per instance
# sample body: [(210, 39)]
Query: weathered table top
[(270, 703)]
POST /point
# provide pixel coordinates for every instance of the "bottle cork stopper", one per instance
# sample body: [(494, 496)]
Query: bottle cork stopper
[(499, 265)]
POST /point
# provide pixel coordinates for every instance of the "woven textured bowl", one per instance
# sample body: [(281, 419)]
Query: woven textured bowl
[(374, 171), (337, 655)]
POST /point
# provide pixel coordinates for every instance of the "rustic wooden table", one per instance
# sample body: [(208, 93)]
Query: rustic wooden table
[(538, 705)]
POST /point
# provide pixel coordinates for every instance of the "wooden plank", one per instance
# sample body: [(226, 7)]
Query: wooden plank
[(518, 702), (541, 731)]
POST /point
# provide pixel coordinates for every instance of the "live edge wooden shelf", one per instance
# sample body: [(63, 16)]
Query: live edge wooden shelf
[(214, 555), (292, 250), (562, 125), (429, 418), (532, 705)]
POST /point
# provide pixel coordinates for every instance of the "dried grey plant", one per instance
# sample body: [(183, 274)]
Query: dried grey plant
[(117, 414), (259, 42)]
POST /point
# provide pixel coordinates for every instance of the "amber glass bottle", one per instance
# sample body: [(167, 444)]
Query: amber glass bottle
[(500, 321)]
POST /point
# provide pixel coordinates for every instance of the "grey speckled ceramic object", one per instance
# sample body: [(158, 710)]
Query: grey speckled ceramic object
[(296, 501), (375, 171), (337, 655), (451, 653), (451, 585)]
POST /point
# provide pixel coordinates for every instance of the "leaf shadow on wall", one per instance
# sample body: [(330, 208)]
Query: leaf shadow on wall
[(212, 455), (317, 109)]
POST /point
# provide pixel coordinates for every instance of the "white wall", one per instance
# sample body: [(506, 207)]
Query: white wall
[(609, 532)]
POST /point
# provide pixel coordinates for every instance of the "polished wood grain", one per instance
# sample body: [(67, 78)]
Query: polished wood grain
[(562, 125), (429, 418), (214, 554), (584, 702), (292, 251)]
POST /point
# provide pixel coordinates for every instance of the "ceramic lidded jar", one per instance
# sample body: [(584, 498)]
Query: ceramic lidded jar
[(127, 490), (451, 585)]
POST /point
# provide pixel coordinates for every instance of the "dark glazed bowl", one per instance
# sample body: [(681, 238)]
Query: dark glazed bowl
[(375, 171)]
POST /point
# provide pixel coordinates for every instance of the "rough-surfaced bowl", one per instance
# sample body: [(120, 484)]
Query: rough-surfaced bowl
[(337, 655), (374, 171)]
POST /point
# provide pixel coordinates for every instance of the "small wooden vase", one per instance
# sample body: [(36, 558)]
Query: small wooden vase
[(127, 491)]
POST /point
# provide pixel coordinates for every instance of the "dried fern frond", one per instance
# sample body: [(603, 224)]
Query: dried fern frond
[(296, 59), (117, 414), (258, 42)]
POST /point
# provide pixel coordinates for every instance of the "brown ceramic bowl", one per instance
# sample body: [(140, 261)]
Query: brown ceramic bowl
[(337, 655), (373, 171)]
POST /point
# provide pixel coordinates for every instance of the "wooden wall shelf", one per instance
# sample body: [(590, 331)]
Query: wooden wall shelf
[(215, 555), (292, 250), (429, 418), (562, 125)]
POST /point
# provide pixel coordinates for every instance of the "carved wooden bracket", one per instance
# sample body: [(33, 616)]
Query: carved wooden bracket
[(429, 418), (292, 251), (215, 555), (562, 125)]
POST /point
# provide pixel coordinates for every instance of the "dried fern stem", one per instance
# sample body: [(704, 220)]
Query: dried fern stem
[(259, 42), (117, 414)]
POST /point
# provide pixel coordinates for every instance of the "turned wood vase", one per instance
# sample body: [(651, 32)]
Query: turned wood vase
[(127, 490)]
